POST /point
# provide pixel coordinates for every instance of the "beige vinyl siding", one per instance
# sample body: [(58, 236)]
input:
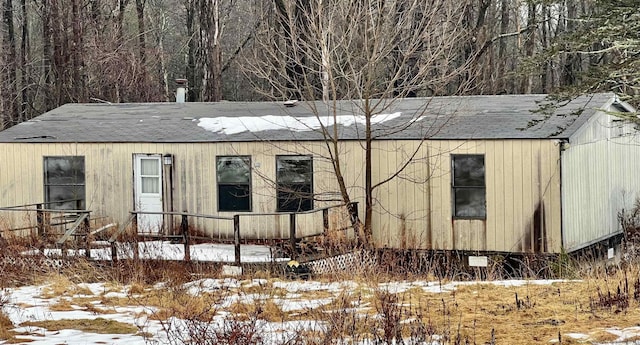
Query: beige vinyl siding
[(599, 181), (599, 166), (109, 182), (413, 210), (522, 193)]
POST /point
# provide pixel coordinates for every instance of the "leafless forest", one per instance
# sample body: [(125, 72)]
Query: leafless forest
[(60, 51)]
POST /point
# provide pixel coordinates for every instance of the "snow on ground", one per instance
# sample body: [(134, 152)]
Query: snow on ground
[(165, 250), (27, 304), (24, 304)]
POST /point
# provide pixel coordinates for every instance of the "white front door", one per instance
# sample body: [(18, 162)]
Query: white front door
[(148, 192)]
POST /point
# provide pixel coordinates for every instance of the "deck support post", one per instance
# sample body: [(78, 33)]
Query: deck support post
[(40, 220), (184, 227), (114, 252), (325, 221), (292, 235), (87, 231), (236, 238), (136, 247)]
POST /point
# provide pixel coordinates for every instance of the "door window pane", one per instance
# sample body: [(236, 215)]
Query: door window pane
[(150, 167), (150, 185)]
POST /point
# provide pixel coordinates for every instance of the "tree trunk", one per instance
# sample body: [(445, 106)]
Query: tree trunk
[(162, 70), (77, 55), (527, 82), (47, 54), (545, 87), (122, 8), (368, 180), (572, 62), (60, 51), (25, 75), (502, 86), (292, 21), (210, 52), (9, 82), (143, 91), (193, 93)]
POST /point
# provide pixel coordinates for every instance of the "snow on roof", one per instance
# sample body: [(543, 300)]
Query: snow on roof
[(235, 125)]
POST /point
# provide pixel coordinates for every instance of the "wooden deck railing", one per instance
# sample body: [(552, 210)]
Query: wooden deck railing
[(79, 220), (42, 221), (47, 218), (237, 238)]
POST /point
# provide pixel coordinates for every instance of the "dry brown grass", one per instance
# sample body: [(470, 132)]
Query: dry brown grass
[(62, 305), (97, 325), (266, 310), (176, 303), (82, 303), (6, 327), (266, 288), (136, 289), (61, 285), (516, 315)]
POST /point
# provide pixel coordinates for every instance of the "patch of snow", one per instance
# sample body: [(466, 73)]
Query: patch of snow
[(165, 250), (95, 288), (623, 334), (577, 336), (70, 336), (197, 287), (302, 286), (288, 305), (235, 125), (114, 294)]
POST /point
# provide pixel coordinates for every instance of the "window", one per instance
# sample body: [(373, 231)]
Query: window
[(150, 176), (469, 191), (294, 179), (64, 184), (234, 183)]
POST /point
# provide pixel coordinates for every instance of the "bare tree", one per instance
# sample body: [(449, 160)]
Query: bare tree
[(371, 52), (10, 65), (142, 49), (25, 75), (204, 58), (47, 53), (211, 48), (158, 19)]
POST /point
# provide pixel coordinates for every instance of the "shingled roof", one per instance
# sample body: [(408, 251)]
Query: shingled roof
[(463, 117)]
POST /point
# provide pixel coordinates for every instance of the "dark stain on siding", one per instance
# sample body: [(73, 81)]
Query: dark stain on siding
[(535, 234)]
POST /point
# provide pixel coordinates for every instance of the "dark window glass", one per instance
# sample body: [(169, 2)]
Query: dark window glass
[(234, 183), (469, 192), (294, 175), (64, 182)]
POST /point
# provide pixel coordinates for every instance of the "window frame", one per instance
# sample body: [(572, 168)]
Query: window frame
[(458, 187), (290, 187), (248, 184), (80, 203)]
